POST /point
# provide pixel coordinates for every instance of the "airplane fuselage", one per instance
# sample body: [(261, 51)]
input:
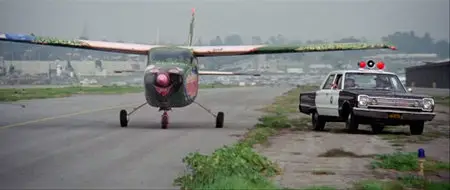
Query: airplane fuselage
[(171, 78)]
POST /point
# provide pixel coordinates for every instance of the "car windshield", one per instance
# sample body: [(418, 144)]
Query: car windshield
[(377, 81), (182, 56)]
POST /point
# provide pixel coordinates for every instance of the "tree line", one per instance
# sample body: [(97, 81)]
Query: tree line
[(407, 42)]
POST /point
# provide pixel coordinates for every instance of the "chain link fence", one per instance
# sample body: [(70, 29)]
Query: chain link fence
[(67, 73)]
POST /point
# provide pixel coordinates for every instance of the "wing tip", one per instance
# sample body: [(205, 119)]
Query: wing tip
[(393, 48)]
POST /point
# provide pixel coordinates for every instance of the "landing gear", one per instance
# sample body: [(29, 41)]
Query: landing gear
[(219, 120), (220, 117), (123, 116), (164, 120)]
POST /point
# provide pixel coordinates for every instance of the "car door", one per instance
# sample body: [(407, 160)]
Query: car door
[(333, 97), (322, 96)]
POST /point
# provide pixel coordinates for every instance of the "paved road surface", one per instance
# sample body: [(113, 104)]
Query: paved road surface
[(77, 142)]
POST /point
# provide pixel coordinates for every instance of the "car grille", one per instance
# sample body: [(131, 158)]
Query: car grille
[(397, 108), (398, 104)]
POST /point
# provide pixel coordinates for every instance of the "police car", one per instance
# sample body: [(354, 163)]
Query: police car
[(366, 96)]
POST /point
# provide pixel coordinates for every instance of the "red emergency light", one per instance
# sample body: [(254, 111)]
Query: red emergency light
[(380, 65), (370, 64), (362, 64)]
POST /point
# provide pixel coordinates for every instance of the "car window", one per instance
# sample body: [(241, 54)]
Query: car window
[(378, 81), (339, 81), (329, 82)]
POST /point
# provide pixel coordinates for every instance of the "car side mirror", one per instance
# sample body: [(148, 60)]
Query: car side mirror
[(410, 90)]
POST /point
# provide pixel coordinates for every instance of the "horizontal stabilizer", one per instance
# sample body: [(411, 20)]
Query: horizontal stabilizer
[(125, 71), (226, 73)]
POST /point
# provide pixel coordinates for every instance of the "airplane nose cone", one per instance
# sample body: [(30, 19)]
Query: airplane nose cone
[(162, 80)]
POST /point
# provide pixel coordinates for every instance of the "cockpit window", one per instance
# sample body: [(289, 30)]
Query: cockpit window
[(170, 56), (373, 81)]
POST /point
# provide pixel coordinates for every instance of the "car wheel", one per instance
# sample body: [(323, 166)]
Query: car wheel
[(376, 128), (317, 122), (416, 128), (352, 123)]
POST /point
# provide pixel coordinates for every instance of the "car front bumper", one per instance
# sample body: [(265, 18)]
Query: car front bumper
[(384, 114)]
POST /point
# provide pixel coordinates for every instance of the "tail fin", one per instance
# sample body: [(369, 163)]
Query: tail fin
[(191, 28)]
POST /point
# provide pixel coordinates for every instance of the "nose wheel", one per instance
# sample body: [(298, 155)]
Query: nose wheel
[(164, 120)]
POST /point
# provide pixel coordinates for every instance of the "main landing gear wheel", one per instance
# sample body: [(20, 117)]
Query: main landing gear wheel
[(123, 116), (219, 120), (164, 120)]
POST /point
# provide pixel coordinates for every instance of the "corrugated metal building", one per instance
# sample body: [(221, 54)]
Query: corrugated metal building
[(430, 75)]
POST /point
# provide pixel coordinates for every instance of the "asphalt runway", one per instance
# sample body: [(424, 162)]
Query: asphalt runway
[(77, 142)]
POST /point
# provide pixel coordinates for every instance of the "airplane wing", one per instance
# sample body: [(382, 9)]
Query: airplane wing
[(129, 48), (226, 73), (199, 51), (206, 51)]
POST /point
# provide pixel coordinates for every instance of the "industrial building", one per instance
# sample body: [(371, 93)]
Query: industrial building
[(430, 75)]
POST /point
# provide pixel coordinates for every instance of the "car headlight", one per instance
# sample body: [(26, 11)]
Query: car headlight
[(428, 103), (417, 103), (363, 100), (373, 101)]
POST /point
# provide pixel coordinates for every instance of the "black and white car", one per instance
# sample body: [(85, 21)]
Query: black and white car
[(367, 96)]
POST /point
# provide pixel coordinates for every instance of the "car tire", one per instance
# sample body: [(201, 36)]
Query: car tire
[(416, 128), (318, 123), (376, 128), (352, 123)]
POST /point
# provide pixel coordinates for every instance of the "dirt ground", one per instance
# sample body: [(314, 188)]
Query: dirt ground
[(299, 152)]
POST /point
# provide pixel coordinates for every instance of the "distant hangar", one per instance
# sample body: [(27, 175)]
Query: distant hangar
[(431, 75)]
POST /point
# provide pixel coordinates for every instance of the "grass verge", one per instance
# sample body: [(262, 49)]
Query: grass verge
[(288, 102), (238, 166), (405, 166), (14, 94), (403, 162)]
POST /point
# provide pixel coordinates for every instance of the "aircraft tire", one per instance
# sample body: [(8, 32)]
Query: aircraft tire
[(220, 119), (164, 122), (123, 118)]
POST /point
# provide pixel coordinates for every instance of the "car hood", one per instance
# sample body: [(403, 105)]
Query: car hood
[(386, 93)]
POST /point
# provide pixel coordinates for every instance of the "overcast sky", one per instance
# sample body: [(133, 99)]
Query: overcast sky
[(138, 20)]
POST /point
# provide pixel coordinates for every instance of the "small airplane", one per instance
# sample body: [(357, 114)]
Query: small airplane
[(171, 75)]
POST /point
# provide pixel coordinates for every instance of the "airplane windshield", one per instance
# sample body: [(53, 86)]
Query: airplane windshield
[(170, 56)]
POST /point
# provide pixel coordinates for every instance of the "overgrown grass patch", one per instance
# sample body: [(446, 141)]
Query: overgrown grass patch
[(238, 166), (238, 162), (418, 182), (401, 161), (13, 94), (378, 185)]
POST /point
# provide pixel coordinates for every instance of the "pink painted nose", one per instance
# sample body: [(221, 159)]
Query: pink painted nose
[(162, 80)]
